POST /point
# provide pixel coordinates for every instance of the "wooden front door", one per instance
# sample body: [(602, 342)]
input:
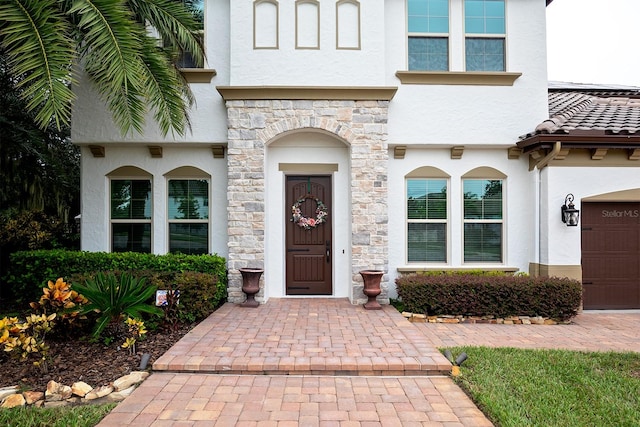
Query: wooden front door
[(611, 255), (309, 252)]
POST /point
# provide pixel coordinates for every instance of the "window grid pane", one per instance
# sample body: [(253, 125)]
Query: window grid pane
[(484, 16), (428, 16), (131, 237), (484, 54), (428, 53), (427, 242), (130, 199), (188, 199), (482, 242), (189, 238)]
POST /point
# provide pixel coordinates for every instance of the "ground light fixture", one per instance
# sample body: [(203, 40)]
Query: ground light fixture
[(570, 215)]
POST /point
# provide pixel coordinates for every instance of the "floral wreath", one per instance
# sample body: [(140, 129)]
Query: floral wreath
[(306, 222)]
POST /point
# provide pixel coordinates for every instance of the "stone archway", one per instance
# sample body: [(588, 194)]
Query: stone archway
[(253, 124)]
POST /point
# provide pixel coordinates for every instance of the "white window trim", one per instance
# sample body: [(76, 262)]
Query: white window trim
[(427, 35)]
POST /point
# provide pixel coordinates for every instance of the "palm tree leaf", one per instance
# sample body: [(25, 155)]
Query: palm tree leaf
[(170, 108), (174, 23), (35, 35), (112, 42)]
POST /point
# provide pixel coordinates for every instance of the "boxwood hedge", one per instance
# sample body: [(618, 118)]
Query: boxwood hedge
[(490, 295)]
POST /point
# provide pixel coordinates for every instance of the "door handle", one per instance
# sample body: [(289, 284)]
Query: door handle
[(328, 246)]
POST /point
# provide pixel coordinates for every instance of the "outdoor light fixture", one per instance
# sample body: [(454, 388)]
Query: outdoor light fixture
[(570, 214)]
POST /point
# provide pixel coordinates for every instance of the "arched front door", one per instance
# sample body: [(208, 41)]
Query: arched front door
[(309, 250)]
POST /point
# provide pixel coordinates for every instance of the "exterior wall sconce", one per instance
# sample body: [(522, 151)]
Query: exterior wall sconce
[(570, 215)]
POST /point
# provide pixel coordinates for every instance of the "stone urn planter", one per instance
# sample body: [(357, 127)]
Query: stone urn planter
[(251, 285), (372, 288)]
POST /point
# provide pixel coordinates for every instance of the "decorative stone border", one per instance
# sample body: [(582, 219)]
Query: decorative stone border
[(511, 320), (80, 393)]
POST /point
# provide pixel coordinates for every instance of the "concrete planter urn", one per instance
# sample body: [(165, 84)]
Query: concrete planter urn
[(251, 285), (372, 288)]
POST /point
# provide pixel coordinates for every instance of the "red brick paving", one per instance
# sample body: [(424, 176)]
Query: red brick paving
[(322, 355), (300, 362)]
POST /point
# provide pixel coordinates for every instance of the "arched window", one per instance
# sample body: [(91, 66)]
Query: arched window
[(483, 215), (427, 215), (188, 210), (130, 209)]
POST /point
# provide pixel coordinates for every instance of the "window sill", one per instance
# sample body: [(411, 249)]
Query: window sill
[(198, 75), (419, 269), (476, 78)]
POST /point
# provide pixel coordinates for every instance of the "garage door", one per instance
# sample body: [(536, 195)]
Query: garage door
[(611, 255)]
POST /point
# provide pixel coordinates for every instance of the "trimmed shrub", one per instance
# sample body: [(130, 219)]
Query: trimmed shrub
[(30, 271), (490, 295)]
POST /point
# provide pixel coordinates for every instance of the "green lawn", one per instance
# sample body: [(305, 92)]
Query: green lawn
[(516, 387), (77, 416)]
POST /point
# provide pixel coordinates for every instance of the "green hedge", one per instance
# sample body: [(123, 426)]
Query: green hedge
[(490, 295), (29, 271)]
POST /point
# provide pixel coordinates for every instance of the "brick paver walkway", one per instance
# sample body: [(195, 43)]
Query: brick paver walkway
[(589, 331), (300, 362), (325, 362)]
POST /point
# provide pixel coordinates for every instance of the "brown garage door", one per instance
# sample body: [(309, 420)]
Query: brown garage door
[(611, 255)]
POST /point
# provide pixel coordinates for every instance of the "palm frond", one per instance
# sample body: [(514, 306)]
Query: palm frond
[(170, 108), (35, 36), (112, 42), (174, 23)]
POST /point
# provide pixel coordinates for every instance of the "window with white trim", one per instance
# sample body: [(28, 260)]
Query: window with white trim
[(130, 215), (427, 220), (428, 40), (188, 214), (483, 220), (485, 34)]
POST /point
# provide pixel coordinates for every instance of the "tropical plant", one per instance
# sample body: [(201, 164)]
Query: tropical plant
[(44, 40), (113, 299)]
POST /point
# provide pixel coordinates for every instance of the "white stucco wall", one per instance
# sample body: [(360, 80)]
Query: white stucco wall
[(518, 217), (326, 66), (470, 115), (95, 201), (561, 245)]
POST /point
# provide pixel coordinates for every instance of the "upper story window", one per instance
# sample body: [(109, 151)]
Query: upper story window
[(427, 220), (485, 32), (428, 41), (130, 215), (483, 220), (185, 59)]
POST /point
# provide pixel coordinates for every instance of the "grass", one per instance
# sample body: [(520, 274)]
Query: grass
[(516, 387), (76, 416)]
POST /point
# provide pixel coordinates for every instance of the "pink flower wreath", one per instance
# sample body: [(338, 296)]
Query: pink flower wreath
[(306, 222)]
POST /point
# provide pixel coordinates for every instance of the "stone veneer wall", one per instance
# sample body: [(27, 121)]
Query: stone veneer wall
[(362, 124)]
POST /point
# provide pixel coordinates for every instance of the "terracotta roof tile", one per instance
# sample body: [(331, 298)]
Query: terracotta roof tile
[(571, 111)]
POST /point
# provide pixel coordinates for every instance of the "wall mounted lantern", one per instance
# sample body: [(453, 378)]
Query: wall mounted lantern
[(570, 214)]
